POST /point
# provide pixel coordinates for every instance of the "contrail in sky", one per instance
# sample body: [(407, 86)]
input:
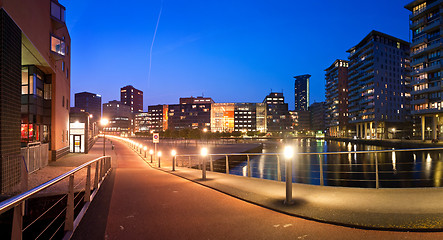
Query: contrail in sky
[(152, 43)]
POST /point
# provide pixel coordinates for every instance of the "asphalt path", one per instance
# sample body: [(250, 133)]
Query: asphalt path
[(139, 202)]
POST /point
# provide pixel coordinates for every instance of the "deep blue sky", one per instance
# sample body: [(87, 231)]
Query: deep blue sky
[(232, 51)]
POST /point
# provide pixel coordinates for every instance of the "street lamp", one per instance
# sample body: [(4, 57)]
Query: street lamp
[(145, 149), (104, 122), (159, 154), (289, 154), (204, 153), (173, 153), (393, 131)]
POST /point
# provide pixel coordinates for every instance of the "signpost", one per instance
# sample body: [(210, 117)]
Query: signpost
[(155, 140)]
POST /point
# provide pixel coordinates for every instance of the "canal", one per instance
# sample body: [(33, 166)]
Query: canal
[(395, 169)]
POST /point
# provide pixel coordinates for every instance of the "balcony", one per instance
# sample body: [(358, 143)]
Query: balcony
[(417, 82), (416, 13), (428, 90), (432, 25), (418, 61), (419, 101), (57, 14)]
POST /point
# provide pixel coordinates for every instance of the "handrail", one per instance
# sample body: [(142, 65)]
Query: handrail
[(14, 201), (316, 153)]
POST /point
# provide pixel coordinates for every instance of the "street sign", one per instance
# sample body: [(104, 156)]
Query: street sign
[(156, 137)]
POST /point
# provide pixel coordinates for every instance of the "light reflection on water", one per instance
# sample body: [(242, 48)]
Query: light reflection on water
[(396, 169)]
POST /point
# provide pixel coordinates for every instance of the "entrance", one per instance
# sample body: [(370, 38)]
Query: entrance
[(77, 143)]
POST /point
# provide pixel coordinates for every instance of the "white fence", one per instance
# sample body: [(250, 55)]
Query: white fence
[(36, 156)]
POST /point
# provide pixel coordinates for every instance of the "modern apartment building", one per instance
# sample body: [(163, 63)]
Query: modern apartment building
[(426, 62), (379, 85), (222, 117), (34, 82), (132, 97), (90, 103), (337, 98), (278, 118)]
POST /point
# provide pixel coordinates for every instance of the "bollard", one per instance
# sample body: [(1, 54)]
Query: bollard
[(289, 153), (203, 167), (322, 181)]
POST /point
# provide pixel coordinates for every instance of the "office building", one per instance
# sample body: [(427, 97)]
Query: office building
[(158, 115), (222, 117), (90, 103), (119, 116), (278, 118), (142, 122), (191, 113), (337, 98), (132, 97), (301, 89), (379, 85), (426, 62)]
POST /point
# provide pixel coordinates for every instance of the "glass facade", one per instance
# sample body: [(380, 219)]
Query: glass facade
[(35, 105)]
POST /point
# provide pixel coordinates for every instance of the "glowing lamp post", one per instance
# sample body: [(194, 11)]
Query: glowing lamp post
[(145, 149), (159, 154), (289, 154), (150, 153), (173, 154), (204, 153), (104, 122)]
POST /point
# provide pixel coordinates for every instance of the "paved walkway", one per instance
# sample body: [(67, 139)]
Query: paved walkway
[(139, 202)]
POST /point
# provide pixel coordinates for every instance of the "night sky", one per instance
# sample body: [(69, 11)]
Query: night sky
[(232, 51)]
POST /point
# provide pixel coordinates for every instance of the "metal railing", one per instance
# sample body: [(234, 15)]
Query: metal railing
[(319, 167), (69, 211)]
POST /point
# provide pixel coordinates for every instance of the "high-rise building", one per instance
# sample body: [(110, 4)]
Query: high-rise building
[(132, 97), (90, 103), (278, 118), (426, 62), (34, 82), (301, 89), (337, 98), (379, 85), (142, 122)]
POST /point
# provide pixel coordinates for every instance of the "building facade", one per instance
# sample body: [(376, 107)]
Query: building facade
[(301, 92), (278, 118), (119, 116), (317, 112), (222, 117), (142, 122), (379, 85), (90, 103), (427, 70), (132, 97), (191, 113), (337, 98), (158, 115), (34, 82)]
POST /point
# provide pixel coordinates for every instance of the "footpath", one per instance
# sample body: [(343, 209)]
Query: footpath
[(138, 201)]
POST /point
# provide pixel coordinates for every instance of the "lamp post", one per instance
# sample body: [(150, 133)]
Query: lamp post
[(173, 153), (393, 131), (159, 154), (145, 149), (150, 153), (104, 122), (289, 154), (204, 153)]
